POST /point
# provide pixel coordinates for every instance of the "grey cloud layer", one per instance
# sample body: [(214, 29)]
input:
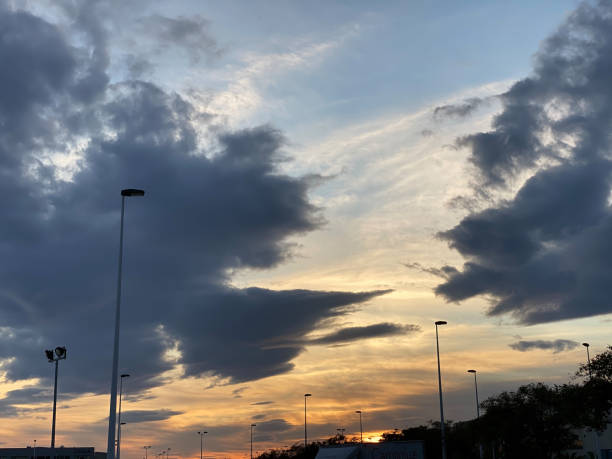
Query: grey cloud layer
[(558, 345), (546, 255), (348, 334), (202, 218)]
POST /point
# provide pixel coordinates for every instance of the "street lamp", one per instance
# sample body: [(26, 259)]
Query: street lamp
[(252, 425), (477, 408), (110, 447), (360, 426), (588, 358), (440, 322), (59, 354), (125, 375), (168, 452), (305, 430), (341, 430), (147, 448), (201, 434)]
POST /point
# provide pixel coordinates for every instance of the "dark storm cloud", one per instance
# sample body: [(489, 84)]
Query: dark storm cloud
[(12, 404), (191, 34), (205, 215), (546, 254), (461, 110), (558, 345), (346, 335), (136, 416)]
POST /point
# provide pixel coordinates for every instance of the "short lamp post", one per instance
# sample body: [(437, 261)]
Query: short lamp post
[(481, 452), (201, 434), (360, 427), (305, 429), (588, 358), (440, 322), (59, 354), (252, 425), (125, 375)]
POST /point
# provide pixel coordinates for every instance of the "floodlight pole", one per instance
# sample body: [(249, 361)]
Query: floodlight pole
[(112, 424), (360, 427), (54, 406), (60, 354)]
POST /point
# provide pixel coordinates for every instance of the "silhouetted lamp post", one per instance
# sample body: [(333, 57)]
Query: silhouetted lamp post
[(60, 354), (477, 408), (147, 448), (119, 419), (588, 358), (252, 425), (360, 427), (341, 430), (110, 448), (201, 434), (305, 430), (440, 322)]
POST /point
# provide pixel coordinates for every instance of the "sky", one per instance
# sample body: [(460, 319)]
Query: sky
[(324, 180)]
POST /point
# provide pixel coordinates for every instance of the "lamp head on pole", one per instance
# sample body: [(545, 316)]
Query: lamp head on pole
[(253, 425), (586, 344), (125, 375), (307, 395), (60, 351), (358, 411), (132, 192), (441, 322), (472, 371)]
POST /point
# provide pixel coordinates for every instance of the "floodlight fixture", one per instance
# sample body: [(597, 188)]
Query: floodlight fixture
[(441, 322), (471, 371), (586, 344), (60, 352), (49, 355)]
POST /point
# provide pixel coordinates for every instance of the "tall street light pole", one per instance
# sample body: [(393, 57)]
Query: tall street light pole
[(125, 375), (252, 425), (110, 447), (60, 354), (440, 322), (201, 434), (147, 448), (360, 427), (481, 452), (588, 358), (305, 429)]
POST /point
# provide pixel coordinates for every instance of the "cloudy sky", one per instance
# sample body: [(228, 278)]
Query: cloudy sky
[(323, 181)]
